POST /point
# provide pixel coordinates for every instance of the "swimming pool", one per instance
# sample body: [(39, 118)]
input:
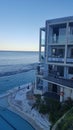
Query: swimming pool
[(11, 121)]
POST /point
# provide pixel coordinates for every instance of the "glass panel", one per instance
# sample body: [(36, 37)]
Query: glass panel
[(70, 71), (43, 38), (42, 53), (62, 35), (57, 34), (71, 38), (62, 39), (71, 33), (71, 53), (57, 52)]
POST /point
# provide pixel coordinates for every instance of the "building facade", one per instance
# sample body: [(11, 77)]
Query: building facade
[(55, 71)]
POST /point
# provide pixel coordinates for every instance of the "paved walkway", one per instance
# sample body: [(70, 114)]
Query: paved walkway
[(19, 104)]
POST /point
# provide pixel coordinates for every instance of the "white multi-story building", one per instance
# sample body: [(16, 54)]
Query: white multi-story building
[(54, 74)]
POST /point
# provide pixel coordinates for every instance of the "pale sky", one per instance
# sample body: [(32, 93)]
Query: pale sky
[(20, 21)]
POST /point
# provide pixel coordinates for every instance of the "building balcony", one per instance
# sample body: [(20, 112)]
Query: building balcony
[(43, 42), (59, 81), (60, 59), (56, 59), (61, 39), (69, 60), (39, 70), (70, 39)]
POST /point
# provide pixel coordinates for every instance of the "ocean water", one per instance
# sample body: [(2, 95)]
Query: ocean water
[(16, 68)]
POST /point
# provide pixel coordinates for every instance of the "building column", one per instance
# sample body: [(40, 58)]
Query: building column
[(62, 94), (66, 42), (46, 42), (45, 86), (45, 83), (65, 72)]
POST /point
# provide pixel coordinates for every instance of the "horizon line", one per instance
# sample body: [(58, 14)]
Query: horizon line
[(22, 50)]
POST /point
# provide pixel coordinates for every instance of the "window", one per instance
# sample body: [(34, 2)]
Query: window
[(70, 70), (55, 34), (72, 52), (58, 52)]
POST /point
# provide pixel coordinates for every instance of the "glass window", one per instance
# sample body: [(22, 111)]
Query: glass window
[(58, 52), (43, 38), (57, 33), (72, 52), (70, 70), (62, 35), (71, 32)]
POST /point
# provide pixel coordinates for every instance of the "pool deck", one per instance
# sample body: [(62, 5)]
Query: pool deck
[(18, 103)]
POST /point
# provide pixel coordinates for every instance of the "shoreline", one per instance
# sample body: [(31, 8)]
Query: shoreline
[(26, 68)]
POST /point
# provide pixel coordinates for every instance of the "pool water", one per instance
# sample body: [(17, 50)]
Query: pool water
[(11, 121)]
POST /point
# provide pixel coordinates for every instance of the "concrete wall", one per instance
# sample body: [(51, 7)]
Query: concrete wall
[(45, 86), (68, 93), (70, 76)]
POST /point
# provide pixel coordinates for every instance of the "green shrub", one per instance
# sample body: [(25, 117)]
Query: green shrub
[(43, 109), (53, 108), (67, 122)]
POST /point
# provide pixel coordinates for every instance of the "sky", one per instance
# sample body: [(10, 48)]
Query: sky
[(20, 21)]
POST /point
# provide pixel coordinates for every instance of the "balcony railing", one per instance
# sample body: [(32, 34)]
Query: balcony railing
[(40, 70), (42, 42), (70, 39), (62, 39), (58, 39), (56, 59), (59, 81), (69, 60), (60, 59)]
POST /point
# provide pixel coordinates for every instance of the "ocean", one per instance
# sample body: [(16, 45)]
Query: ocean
[(16, 68)]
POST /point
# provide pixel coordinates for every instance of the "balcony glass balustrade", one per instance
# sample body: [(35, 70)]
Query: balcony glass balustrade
[(55, 59), (70, 38), (40, 70), (60, 59), (61, 39), (42, 42), (69, 60), (59, 80)]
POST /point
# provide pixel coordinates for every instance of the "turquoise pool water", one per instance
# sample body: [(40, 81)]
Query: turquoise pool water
[(11, 121)]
